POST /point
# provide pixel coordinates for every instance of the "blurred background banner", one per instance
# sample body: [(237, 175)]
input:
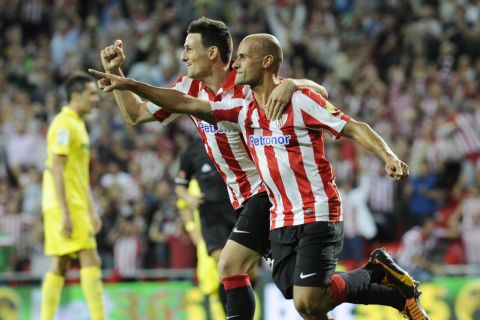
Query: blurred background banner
[(444, 298)]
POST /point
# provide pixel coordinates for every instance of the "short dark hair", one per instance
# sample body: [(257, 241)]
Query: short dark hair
[(214, 33), (77, 82)]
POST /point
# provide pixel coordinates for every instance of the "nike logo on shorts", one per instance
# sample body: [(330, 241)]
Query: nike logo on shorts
[(303, 276), (239, 231), (235, 316)]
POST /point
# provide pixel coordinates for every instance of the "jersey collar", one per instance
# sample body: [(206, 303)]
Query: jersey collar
[(69, 111), (226, 86)]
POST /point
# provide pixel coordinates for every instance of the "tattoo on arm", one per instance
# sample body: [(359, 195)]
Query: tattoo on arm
[(204, 115)]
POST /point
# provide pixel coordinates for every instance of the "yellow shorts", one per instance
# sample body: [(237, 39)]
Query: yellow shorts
[(56, 244)]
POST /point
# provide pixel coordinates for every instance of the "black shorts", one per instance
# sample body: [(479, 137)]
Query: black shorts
[(253, 224), (217, 220), (305, 255)]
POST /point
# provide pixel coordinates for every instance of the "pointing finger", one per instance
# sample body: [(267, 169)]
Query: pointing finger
[(98, 74)]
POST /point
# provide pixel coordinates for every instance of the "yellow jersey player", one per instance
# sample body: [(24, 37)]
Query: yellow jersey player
[(70, 218)]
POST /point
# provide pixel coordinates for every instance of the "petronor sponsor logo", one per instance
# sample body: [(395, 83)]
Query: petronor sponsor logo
[(210, 128), (255, 140)]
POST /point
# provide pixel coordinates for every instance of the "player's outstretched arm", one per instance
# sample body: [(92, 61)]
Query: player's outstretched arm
[(132, 107), (364, 135), (280, 97), (170, 99)]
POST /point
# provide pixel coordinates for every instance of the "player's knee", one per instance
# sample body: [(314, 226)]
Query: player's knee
[(225, 267), (231, 264), (90, 258), (59, 266)]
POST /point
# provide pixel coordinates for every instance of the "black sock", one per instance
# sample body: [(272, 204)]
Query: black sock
[(358, 279), (223, 296), (362, 289), (240, 297), (379, 294)]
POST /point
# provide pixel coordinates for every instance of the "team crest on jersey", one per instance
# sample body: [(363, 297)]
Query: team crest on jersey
[(281, 122)]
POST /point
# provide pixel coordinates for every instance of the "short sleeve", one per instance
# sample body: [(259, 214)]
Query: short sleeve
[(183, 84), (163, 116), (318, 113), (227, 113), (61, 136)]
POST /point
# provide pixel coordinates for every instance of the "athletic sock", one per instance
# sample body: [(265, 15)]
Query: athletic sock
[(381, 295), (223, 296), (240, 297), (339, 289), (91, 281), (359, 289), (51, 292)]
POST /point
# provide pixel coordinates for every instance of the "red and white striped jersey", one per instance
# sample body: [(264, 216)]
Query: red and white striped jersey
[(225, 148), (289, 154)]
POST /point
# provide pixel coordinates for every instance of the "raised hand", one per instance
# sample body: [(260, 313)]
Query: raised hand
[(113, 57), (109, 82)]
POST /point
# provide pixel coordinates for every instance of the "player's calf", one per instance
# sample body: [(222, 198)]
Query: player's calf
[(312, 302)]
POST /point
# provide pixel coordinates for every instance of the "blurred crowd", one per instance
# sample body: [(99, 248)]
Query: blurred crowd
[(410, 69)]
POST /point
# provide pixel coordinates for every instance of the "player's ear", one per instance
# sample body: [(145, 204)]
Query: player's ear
[(267, 61), (213, 52)]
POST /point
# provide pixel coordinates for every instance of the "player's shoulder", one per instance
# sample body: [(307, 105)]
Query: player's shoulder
[(184, 83), (61, 119), (304, 96)]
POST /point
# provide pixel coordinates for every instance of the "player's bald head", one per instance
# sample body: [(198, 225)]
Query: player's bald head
[(265, 44)]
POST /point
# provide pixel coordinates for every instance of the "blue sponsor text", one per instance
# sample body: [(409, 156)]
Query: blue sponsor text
[(268, 140)]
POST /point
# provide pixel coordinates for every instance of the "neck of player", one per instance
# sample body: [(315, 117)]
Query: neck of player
[(263, 90), (217, 77), (77, 108)]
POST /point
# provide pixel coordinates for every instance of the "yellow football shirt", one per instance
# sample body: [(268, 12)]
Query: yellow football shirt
[(67, 135)]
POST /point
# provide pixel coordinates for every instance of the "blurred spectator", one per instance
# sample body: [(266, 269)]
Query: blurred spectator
[(157, 235), (180, 246), (381, 201), (466, 221), (32, 192), (16, 226), (127, 248), (122, 180), (359, 225), (148, 71), (25, 145), (423, 195), (415, 247), (64, 41), (107, 211)]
